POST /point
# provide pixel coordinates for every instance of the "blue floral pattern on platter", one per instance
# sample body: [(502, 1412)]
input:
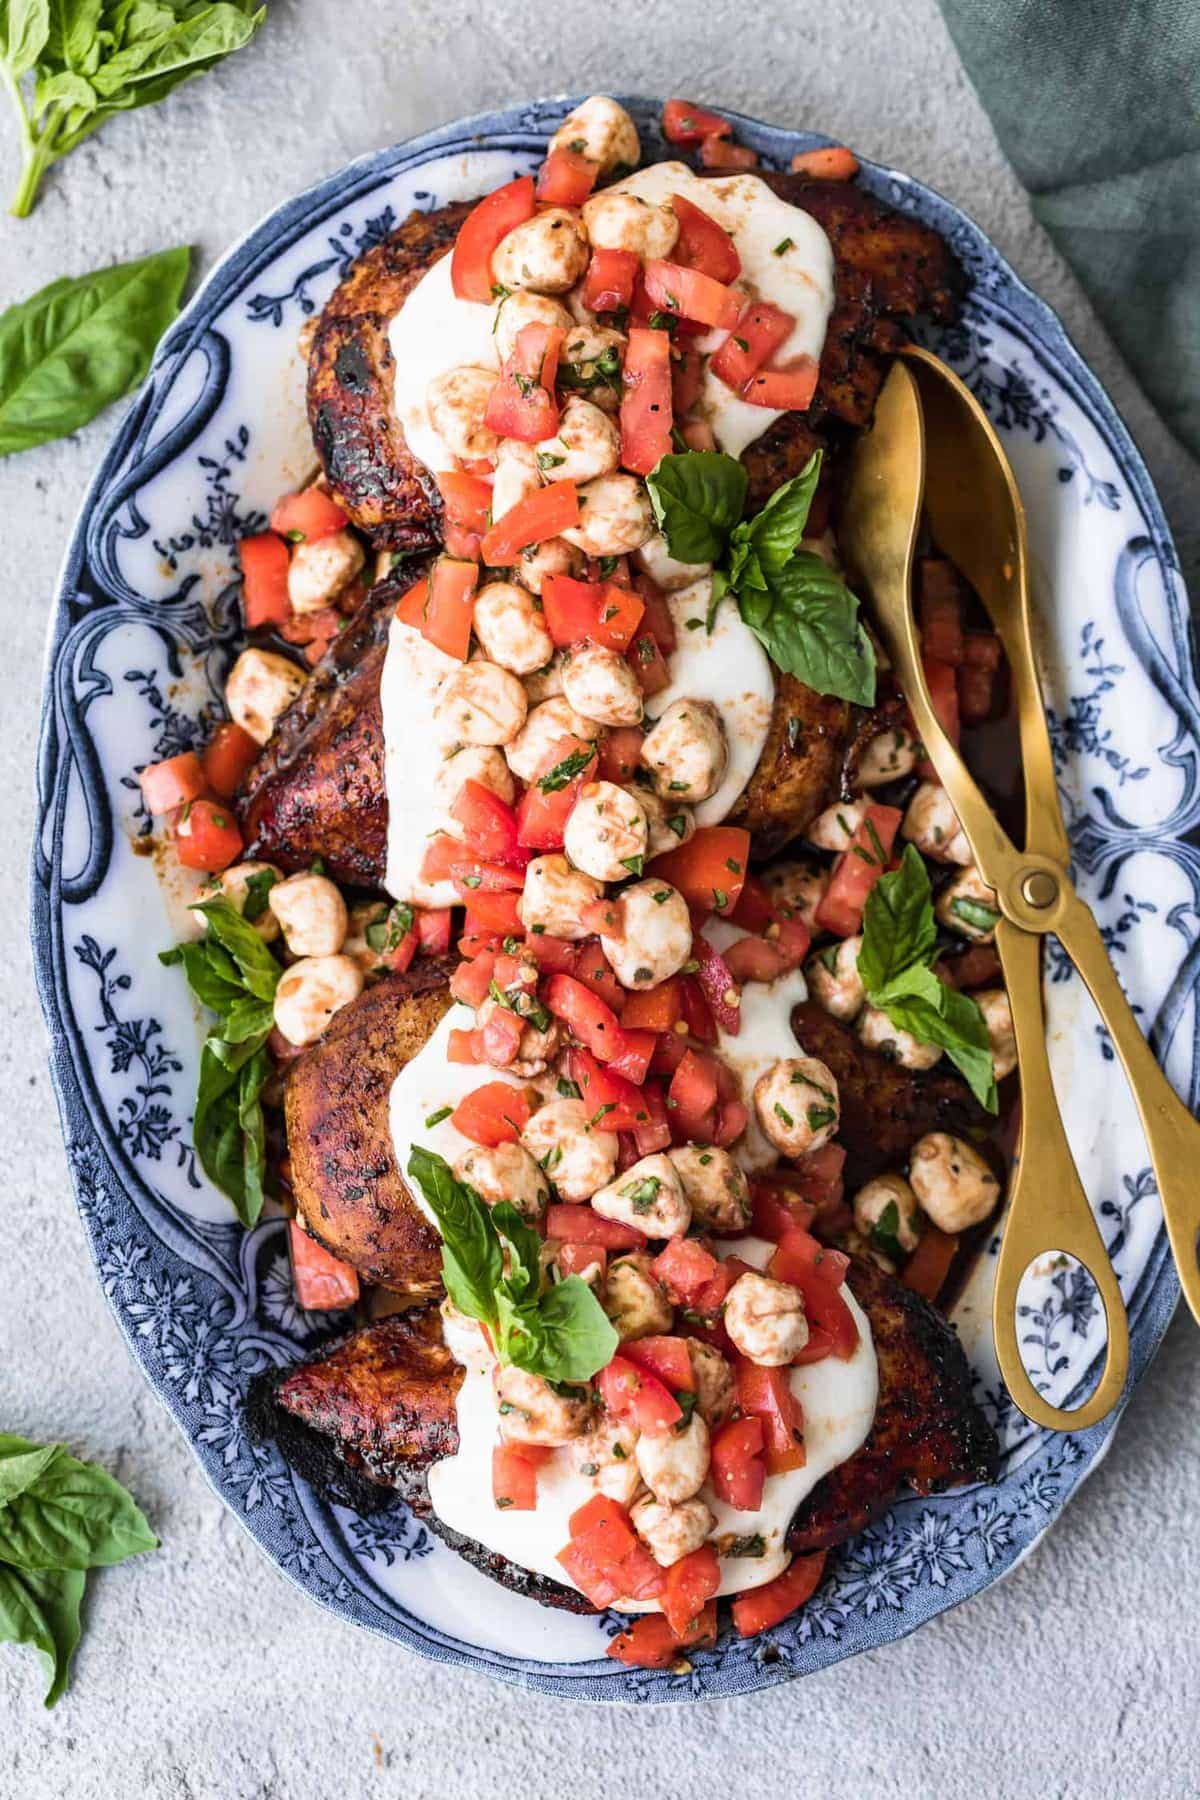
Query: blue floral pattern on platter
[(146, 627)]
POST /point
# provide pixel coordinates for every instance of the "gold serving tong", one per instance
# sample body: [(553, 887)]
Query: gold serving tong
[(933, 449)]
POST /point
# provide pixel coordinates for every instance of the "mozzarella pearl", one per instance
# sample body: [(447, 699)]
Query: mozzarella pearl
[(649, 1196), (766, 1320), (635, 1300), (510, 631), (312, 914), (456, 402), (620, 221), (834, 981), (480, 703), (505, 1172), (954, 1185), (656, 935), (796, 1103), (686, 751), (547, 253), (318, 571), (260, 688), (576, 1157), (715, 1187), (600, 684), (555, 895), (310, 992), (606, 832), (615, 516)]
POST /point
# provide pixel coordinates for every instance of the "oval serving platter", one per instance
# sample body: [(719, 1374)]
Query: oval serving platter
[(146, 624)]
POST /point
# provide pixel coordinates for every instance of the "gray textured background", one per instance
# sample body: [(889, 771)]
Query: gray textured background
[(202, 1672)]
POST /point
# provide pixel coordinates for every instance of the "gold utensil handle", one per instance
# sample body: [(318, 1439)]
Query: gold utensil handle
[(1172, 1134), (1048, 1209)]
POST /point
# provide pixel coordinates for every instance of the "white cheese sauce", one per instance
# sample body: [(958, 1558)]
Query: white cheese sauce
[(413, 671), (435, 331)]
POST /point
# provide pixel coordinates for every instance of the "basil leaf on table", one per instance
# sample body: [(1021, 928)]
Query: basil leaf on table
[(41, 1607), (71, 1515), (81, 343)]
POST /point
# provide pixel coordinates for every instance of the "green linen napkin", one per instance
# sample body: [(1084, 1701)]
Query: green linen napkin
[(1096, 103)]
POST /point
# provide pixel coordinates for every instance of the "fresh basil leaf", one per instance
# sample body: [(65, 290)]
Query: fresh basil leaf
[(168, 49), (71, 1515), (228, 1130), (21, 1465), (258, 887), (259, 969), (918, 1002), (247, 1018), (79, 344), (73, 41), (574, 1337), (898, 923), (215, 983), (525, 1274), (697, 499), (773, 535), (24, 30), (811, 630), (41, 1607), (885, 1233), (471, 1260)]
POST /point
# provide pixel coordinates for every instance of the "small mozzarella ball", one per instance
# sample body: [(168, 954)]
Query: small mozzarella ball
[(511, 632), (931, 823), (606, 832), (968, 906), (602, 131), (674, 1465), (952, 1182), (656, 935), (716, 1389), (533, 1412), (318, 571), (600, 684), (799, 887), (686, 751), (310, 992), (887, 757), (554, 895), (797, 1105), (878, 1033), (833, 829), (715, 1187), (635, 1300), (766, 1320), (312, 914), (607, 1456), (587, 444), (456, 402), (537, 562), (547, 253), (260, 688), (889, 1201), (591, 361), (483, 763), (523, 307), (463, 1337), (234, 885), (669, 823), (649, 1196), (356, 946), (576, 1156), (615, 516), (480, 703), (545, 683), (997, 1016), (671, 1532), (620, 221), (834, 981), (506, 1172), (656, 560), (545, 726)]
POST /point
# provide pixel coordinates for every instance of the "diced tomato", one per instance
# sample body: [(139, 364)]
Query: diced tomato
[(494, 912), (716, 152), (646, 399), (620, 752), (604, 1554), (833, 163), (658, 616), (308, 515), (461, 1048), (756, 335), (819, 1273), (514, 1477), (687, 379), (522, 403), (702, 243), (755, 959), (654, 1133), (698, 434), (684, 123), (585, 1015), (451, 606), (926, 1270), (685, 1269), (489, 824), (690, 294), (720, 988), (766, 1394), (776, 1600), (755, 909), (857, 870), (654, 1009), (172, 783), (495, 1113), (580, 1225), (738, 1471), (320, 1281), (627, 1390), (499, 1038), (649, 1643), (634, 1054), (601, 611), (543, 810), (784, 390), (206, 835), (604, 1092), (466, 498), (696, 1013), (543, 514), (646, 660), (480, 233), (817, 1178), (471, 979), (977, 678), (693, 1096), (316, 631), (942, 681), (229, 755), (666, 1357), (608, 284), (578, 1259), (433, 930), (710, 868), (566, 179), (264, 560), (940, 611), (447, 858), (691, 1583), (413, 603), (778, 1209), (553, 956)]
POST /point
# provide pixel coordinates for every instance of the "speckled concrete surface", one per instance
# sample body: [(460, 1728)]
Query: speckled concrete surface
[(202, 1673)]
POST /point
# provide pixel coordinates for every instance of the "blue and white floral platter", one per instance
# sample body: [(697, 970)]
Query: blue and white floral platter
[(145, 627)]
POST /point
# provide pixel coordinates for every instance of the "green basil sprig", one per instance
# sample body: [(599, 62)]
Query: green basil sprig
[(561, 1333), (803, 614), (231, 971), (58, 1518), (69, 65), (79, 344), (899, 939)]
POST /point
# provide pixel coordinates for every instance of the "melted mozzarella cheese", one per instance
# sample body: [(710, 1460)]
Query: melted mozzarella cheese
[(798, 279), (413, 671), (730, 668), (435, 331), (765, 1035), (838, 1398)]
